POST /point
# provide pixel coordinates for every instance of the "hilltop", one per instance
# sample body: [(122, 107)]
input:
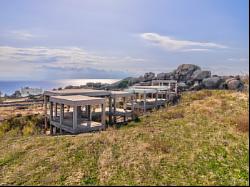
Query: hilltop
[(201, 141), (188, 76)]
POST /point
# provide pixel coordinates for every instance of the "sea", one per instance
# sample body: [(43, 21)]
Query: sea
[(9, 87)]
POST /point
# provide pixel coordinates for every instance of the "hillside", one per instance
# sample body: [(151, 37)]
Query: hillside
[(201, 141)]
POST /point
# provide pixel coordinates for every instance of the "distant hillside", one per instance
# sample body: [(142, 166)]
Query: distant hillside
[(201, 141)]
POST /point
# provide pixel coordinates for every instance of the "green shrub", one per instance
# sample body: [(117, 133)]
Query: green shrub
[(23, 125)]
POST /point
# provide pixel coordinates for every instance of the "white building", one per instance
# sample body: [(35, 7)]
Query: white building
[(26, 91)]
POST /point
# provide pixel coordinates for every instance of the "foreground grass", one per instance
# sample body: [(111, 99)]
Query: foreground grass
[(201, 141)]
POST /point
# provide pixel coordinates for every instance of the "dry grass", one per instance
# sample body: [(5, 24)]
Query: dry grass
[(10, 112), (194, 143), (242, 122)]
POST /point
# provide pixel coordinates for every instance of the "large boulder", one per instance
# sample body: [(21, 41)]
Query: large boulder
[(234, 84), (161, 76), (149, 76), (165, 76), (212, 82), (185, 71), (182, 86), (196, 86), (200, 75)]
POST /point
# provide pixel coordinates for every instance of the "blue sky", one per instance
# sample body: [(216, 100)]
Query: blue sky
[(60, 39)]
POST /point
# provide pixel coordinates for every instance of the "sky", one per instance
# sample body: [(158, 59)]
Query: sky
[(64, 39)]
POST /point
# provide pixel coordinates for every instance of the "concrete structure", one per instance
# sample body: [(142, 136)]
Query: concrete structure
[(122, 105), (86, 92), (78, 120), (26, 91), (122, 111), (110, 97), (147, 97), (172, 85)]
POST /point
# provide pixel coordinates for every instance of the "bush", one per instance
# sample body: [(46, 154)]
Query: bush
[(23, 125)]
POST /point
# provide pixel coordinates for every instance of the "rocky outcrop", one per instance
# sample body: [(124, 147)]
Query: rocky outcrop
[(185, 71), (200, 75), (212, 82), (189, 77), (234, 84), (165, 76), (149, 76)]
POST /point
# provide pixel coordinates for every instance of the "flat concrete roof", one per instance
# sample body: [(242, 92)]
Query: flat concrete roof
[(141, 90), (86, 92), (159, 88), (164, 81), (77, 100), (121, 94)]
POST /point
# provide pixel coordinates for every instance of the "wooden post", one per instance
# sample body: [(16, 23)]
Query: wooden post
[(74, 117)]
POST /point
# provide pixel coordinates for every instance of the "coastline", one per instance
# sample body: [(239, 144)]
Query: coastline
[(9, 87)]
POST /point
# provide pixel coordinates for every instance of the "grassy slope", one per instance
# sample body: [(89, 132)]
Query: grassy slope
[(197, 142)]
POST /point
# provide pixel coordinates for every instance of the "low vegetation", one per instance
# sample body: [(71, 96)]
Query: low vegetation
[(201, 141), (22, 125)]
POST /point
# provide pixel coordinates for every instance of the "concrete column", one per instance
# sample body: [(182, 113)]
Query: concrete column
[(103, 115), (51, 130), (61, 113), (124, 107), (90, 113), (133, 107), (74, 117), (79, 111), (110, 110), (56, 110), (156, 98), (45, 113), (114, 102), (51, 111), (144, 102)]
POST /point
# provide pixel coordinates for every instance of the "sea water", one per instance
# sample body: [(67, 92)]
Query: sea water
[(9, 87)]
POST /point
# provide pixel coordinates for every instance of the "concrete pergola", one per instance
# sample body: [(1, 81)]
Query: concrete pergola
[(109, 96), (124, 112), (170, 84), (74, 122), (144, 91)]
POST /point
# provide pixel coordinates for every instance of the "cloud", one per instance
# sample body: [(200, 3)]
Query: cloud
[(188, 50), (171, 44), (238, 59), (22, 35), (30, 60)]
